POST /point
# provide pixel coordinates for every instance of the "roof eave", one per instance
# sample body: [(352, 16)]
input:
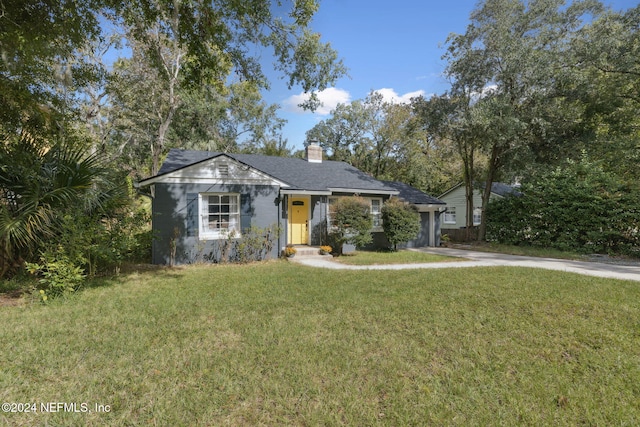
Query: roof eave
[(363, 191)]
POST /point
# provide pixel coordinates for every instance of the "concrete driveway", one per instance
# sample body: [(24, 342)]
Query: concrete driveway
[(488, 259)]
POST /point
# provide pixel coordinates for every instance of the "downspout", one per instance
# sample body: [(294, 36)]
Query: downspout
[(432, 228), (278, 222)]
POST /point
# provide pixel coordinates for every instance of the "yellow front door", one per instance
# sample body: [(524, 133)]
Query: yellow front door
[(299, 220)]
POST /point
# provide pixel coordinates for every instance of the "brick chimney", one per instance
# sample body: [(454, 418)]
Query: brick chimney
[(313, 152)]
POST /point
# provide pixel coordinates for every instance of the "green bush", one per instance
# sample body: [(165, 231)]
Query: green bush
[(577, 208), (58, 275), (351, 222), (400, 221), (256, 244)]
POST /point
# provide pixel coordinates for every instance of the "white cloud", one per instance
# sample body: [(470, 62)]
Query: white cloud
[(390, 95), (330, 98)]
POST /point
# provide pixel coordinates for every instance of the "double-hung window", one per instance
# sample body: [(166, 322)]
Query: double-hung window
[(477, 216), (376, 213), (450, 216), (331, 211), (219, 215)]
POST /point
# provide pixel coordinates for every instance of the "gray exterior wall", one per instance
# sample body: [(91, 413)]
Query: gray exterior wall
[(175, 214), (175, 220)]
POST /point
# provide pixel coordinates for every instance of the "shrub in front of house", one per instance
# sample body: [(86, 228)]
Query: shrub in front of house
[(400, 222), (351, 222), (255, 244)]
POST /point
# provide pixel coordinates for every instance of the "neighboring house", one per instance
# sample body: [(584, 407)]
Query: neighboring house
[(200, 198), (456, 214)]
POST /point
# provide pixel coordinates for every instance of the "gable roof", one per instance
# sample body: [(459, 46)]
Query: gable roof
[(413, 195), (297, 173)]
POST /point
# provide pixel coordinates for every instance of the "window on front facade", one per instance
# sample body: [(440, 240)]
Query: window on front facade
[(220, 215), (450, 216), (331, 210), (477, 216), (376, 212)]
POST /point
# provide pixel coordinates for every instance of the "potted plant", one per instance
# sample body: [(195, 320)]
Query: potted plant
[(290, 251), (324, 250)]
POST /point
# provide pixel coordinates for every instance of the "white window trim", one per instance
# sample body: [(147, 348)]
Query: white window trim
[(450, 212), (374, 214), (330, 226), (477, 212), (206, 234)]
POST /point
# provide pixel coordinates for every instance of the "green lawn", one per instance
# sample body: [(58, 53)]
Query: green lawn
[(283, 344), (399, 257)]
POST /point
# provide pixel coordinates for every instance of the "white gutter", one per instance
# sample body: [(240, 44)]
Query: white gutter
[(427, 208), (360, 191), (306, 192)]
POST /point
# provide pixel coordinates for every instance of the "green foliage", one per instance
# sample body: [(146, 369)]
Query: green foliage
[(38, 187), (255, 244), (103, 241), (577, 208), (64, 200), (387, 140), (400, 221), (59, 276), (351, 222)]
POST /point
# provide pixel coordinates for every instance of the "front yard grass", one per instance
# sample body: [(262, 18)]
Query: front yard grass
[(283, 344), (398, 257)]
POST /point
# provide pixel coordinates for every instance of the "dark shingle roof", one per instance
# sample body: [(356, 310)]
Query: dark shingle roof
[(296, 172), (503, 189), (413, 195), (498, 188)]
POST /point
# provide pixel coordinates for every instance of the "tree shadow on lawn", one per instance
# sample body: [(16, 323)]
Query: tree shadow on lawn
[(19, 292), (127, 270)]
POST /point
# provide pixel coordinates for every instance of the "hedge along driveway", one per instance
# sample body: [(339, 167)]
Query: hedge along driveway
[(489, 259)]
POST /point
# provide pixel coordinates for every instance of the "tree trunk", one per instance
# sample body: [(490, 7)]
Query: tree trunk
[(486, 195)]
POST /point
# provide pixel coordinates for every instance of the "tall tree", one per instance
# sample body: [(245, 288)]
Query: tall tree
[(208, 40), (453, 117), (38, 46), (512, 52), (607, 80), (343, 132), (380, 137)]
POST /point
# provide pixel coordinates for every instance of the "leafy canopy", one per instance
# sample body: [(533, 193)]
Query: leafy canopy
[(351, 221), (578, 207)]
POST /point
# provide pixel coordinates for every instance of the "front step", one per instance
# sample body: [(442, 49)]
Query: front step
[(308, 251)]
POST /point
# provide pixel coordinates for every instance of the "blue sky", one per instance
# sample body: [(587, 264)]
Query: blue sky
[(391, 46)]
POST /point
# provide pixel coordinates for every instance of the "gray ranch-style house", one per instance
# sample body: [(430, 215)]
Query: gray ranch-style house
[(201, 198)]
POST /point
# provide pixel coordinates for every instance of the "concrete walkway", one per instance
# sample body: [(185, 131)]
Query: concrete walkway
[(488, 259)]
